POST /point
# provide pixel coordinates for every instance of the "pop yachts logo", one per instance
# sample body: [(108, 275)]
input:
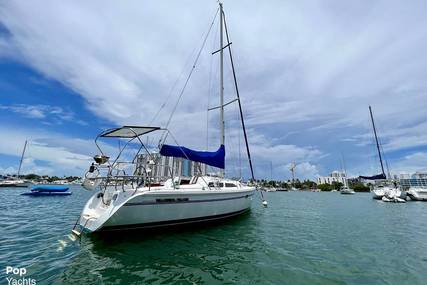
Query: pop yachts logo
[(16, 276)]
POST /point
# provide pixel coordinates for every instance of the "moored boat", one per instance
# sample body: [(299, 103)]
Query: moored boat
[(418, 193), (16, 181), (13, 182), (48, 190), (347, 191), (130, 196)]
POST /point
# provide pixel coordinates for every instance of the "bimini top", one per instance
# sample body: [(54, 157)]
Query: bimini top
[(128, 132), (215, 158)]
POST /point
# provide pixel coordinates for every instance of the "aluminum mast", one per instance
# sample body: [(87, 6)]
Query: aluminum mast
[(221, 78), (22, 159), (376, 140)]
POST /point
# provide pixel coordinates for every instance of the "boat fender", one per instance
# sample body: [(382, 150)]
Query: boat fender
[(264, 203)]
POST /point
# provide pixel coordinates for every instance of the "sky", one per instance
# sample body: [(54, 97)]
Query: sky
[(307, 72)]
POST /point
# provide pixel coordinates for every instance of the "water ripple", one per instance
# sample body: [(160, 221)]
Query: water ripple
[(302, 238)]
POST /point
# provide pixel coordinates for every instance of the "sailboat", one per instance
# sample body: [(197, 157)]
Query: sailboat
[(383, 189), (16, 181), (292, 170), (346, 190), (271, 188), (136, 199)]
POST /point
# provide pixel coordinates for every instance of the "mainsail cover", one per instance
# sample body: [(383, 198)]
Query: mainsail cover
[(375, 177), (215, 158)]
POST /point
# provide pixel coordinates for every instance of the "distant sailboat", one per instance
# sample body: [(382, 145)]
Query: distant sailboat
[(292, 170), (346, 189), (271, 188), (16, 181)]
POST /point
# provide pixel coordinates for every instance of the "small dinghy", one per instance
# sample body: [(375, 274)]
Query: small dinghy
[(392, 198), (48, 190)]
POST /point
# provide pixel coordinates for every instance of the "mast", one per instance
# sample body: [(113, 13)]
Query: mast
[(345, 170), (271, 170), (221, 78), (22, 159), (376, 140)]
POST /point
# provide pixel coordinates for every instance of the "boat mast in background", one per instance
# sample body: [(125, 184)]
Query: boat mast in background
[(376, 140), (22, 158), (292, 169), (221, 79)]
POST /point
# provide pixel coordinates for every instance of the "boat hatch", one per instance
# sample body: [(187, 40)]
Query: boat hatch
[(128, 132)]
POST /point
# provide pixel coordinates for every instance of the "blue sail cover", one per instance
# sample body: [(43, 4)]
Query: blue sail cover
[(215, 158), (375, 177)]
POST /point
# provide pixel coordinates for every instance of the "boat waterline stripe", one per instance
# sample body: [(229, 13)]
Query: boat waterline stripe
[(184, 202), (173, 222)]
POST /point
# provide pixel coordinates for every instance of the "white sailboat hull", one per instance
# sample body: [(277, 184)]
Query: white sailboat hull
[(157, 208), (14, 183), (347, 191)]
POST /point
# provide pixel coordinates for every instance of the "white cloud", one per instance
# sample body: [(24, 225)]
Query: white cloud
[(46, 113), (411, 163), (8, 170), (301, 65), (43, 156)]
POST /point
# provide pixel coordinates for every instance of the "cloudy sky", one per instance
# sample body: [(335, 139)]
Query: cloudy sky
[(307, 70)]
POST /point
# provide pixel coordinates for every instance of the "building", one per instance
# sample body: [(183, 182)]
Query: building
[(336, 176), (418, 179), (165, 167)]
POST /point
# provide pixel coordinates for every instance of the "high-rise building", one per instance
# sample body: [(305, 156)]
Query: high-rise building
[(164, 167), (418, 179), (336, 176)]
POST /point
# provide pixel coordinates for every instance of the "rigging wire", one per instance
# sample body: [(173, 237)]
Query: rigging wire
[(175, 84), (264, 202), (385, 158), (210, 90), (165, 134)]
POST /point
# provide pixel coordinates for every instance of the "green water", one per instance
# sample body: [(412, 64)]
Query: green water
[(301, 238)]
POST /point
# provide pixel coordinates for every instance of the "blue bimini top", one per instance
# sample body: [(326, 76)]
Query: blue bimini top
[(215, 158)]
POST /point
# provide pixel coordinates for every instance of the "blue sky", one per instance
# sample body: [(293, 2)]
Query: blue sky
[(307, 70)]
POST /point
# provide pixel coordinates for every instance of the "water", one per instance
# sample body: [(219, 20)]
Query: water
[(301, 238)]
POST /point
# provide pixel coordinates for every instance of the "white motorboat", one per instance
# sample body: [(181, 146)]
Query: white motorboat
[(418, 193), (130, 196)]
